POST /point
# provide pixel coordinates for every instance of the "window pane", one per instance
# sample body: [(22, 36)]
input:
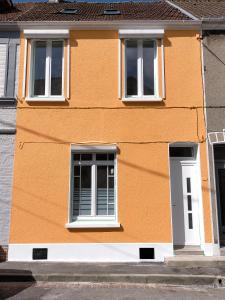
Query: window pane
[(85, 191), (76, 156), (148, 67), (181, 152), (56, 68), (86, 156), (76, 196), (102, 156), (102, 190), (39, 68), (76, 170), (111, 156), (131, 68)]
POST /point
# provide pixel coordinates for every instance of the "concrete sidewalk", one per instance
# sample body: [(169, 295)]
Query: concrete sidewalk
[(116, 272)]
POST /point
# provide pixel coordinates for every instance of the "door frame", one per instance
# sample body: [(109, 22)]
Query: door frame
[(218, 164), (195, 160)]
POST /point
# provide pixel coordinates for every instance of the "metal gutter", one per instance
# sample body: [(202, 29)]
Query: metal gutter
[(93, 25)]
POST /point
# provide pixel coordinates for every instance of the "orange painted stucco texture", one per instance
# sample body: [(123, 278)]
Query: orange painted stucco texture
[(94, 114)]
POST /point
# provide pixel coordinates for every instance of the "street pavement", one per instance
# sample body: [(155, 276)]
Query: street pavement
[(88, 291)]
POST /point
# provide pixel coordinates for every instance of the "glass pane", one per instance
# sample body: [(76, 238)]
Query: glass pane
[(101, 156), (39, 68), (131, 68), (76, 170), (102, 190), (190, 221), (85, 191), (111, 170), (76, 157), (86, 156), (148, 67), (181, 152), (111, 194), (219, 152), (188, 185), (111, 156), (111, 210), (56, 68), (189, 203), (76, 196)]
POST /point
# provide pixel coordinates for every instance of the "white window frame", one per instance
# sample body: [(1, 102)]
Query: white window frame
[(94, 221), (47, 95), (140, 84)]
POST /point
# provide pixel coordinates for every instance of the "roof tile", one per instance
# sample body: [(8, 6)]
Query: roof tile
[(87, 11)]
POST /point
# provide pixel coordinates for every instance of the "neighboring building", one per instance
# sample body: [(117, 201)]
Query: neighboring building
[(110, 156), (212, 16), (9, 56)]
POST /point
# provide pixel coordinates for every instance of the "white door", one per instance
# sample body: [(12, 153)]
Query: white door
[(185, 202)]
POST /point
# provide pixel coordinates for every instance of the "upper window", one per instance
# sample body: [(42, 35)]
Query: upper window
[(93, 186), (47, 69), (140, 68)]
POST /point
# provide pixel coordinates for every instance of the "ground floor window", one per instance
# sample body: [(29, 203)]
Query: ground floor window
[(93, 185)]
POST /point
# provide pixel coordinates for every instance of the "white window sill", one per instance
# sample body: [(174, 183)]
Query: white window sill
[(142, 99), (50, 99), (93, 224)]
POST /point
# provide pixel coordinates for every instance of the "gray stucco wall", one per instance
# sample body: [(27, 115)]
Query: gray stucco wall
[(214, 74), (7, 135)]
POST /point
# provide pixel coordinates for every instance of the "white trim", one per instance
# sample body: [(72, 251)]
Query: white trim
[(183, 10), (140, 81), (194, 161), (91, 252), (93, 224), (46, 33), (45, 99), (94, 148), (24, 68), (68, 68), (199, 191), (48, 63), (142, 99), (217, 137), (94, 220), (119, 69), (141, 33), (163, 70), (139, 69)]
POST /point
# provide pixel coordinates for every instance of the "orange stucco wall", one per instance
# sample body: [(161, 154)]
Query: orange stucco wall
[(95, 114)]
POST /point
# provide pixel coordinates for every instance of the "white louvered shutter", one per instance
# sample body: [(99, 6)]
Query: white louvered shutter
[(3, 50), (17, 69)]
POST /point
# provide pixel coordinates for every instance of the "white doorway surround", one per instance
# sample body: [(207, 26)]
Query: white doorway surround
[(186, 201)]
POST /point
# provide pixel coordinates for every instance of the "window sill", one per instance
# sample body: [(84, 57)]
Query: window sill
[(93, 224), (52, 99), (141, 99)]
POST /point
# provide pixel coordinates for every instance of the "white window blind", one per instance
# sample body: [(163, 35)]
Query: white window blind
[(3, 52)]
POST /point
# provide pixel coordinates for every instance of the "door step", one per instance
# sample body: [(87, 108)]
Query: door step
[(222, 251), (193, 261), (188, 250)]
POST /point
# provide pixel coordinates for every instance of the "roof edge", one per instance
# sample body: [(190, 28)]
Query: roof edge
[(125, 24), (185, 12)]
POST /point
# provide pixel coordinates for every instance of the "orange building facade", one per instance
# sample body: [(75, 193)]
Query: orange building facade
[(111, 169)]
